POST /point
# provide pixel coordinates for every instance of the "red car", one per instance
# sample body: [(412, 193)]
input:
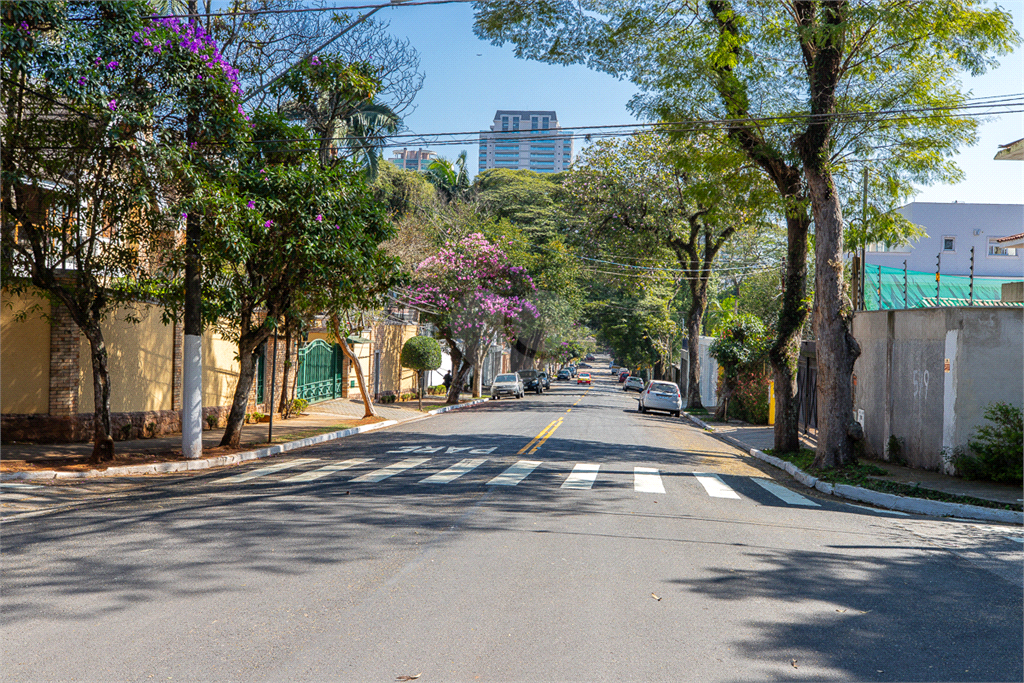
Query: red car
[(623, 375), (583, 378)]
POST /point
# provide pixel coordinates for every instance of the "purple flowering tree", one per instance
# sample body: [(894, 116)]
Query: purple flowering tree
[(474, 296), (93, 134)]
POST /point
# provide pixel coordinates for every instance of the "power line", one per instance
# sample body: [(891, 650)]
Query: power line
[(294, 10)]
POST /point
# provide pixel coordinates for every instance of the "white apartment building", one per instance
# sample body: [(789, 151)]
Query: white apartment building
[(413, 159), (526, 140)]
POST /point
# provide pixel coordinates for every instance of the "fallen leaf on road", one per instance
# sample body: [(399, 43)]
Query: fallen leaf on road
[(408, 678), (793, 662), (840, 610), (655, 597)]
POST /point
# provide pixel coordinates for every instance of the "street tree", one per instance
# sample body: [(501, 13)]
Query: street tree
[(287, 234), (421, 353), (96, 101), (473, 295), (646, 194), (808, 90)]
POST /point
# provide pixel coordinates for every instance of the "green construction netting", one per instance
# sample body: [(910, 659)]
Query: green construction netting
[(953, 290)]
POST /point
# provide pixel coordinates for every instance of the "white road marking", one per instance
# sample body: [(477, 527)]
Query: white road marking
[(454, 472), (582, 476), (246, 476), (882, 510), (715, 487), (647, 480), (515, 474), (313, 475), (783, 493), (13, 485), (391, 470)]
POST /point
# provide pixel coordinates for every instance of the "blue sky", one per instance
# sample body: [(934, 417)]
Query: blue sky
[(467, 79)]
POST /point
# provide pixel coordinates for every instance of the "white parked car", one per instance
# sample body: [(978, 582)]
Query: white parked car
[(661, 396), (508, 384), (633, 383)]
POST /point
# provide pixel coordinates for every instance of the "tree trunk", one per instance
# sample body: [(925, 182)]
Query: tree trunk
[(699, 303), (836, 348), (478, 366), (722, 412), (343, 343), (461, 367), (103, 440), (285, 404), (524, 351), (247, 346), (784, 354)]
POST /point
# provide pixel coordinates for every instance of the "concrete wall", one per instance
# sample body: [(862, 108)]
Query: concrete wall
[(24, 355), (905, 389), (140, 359)]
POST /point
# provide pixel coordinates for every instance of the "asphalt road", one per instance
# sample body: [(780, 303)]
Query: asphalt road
[(556, 537)]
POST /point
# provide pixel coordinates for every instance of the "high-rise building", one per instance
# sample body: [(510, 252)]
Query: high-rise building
[(413, 159), (526, 139)]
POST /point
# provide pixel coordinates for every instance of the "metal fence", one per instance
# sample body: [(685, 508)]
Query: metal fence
[(319, 377), (807, 386)]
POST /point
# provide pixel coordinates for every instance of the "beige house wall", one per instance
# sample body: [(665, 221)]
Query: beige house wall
[(220, 369), (393, 377), (24, 355), (140, 359)]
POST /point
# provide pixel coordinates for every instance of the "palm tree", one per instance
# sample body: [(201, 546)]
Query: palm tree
[(451, 180)]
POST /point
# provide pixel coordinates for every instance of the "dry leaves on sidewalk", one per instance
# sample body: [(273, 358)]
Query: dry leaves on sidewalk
[(408, 678)]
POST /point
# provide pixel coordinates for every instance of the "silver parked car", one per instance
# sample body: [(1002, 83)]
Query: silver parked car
[(633, 383), (661, 396), (508, 384)]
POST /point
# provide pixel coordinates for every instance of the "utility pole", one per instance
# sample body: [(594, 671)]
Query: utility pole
[(864, 246), (192, 366), (972, 277)]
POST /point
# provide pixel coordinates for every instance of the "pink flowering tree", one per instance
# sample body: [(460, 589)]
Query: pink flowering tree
[(474, 296), (96, 100)]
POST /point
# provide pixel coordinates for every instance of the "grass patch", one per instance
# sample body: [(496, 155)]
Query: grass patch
[(696, 411), (858, 474)]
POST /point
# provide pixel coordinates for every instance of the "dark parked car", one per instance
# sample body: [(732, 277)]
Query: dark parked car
[(563, 374), (533, 380)]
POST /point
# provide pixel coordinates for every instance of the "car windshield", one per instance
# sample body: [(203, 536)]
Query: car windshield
[(664, 386), (527, 374), (584, 374), (505, 378)]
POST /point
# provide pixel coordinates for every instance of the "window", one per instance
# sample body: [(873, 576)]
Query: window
[(515, 123), (533, 123), (546, 123), (994, 249), (504, 123), (948, 244)]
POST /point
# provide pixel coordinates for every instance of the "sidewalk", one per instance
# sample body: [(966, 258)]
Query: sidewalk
[(756, 436), (318, 419)]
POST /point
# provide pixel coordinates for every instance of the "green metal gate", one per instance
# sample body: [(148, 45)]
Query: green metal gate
[(319, 377)]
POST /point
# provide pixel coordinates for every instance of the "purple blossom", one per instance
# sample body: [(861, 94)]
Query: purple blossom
[(112, 105), (251, 204), (113, 64), (23, 26), (319, 217), (268, 224), (83, 80), (314, 60)]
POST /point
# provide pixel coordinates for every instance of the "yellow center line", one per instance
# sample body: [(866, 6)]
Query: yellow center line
[(546, 436), (542, 433)]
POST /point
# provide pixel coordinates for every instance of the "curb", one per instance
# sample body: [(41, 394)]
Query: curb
[(438, 411), (201, 464), (700, 423), (891, 501)]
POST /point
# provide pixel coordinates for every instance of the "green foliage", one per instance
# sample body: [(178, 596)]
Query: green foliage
[(296, 406), (750, 399), (741, 347), (451, 180), (996, 448), (421, 353)]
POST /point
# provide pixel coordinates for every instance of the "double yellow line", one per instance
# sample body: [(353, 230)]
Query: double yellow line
[(539, 440)]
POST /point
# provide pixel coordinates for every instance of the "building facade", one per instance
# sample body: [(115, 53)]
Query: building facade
[(526, 140), (952, 230), (413, 159)]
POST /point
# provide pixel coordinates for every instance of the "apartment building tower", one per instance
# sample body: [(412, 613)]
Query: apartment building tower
[(413, 159), (526, 140)]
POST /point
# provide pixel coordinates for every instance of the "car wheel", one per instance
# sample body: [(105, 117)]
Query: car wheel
[(675, 413)]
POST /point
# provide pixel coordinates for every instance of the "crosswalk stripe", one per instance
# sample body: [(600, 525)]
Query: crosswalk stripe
[(313, 475), (515, 474), (246, 476), (647, 480), (785, 494), (715, 487), (391, 470), (582, 476), (454, 472)]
